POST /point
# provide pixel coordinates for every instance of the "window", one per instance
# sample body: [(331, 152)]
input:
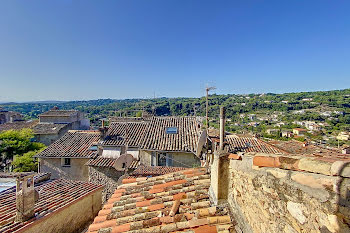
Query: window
[(165, 159), (93, 148), (66, 162), (161, 159), (171, 130), (153, 159)]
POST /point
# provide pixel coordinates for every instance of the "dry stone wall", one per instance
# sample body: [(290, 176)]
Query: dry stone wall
[(108, 177), (279, 196)]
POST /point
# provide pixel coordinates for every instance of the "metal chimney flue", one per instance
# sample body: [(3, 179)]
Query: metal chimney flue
[(222, 127)]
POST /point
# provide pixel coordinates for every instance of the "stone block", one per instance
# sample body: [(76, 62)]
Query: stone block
[(296, 210), (315, 166)]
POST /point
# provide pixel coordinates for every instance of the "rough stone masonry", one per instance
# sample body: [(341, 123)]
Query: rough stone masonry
[(285, 193)]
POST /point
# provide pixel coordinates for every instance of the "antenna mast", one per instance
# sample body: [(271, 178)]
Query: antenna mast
[(207, 89)]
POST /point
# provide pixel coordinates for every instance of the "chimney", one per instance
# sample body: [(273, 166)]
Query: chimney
[(219, 179), (222, 127), (25, 198), (103, 123)]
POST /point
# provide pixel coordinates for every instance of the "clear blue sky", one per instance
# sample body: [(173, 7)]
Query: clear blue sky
[(67, 50)]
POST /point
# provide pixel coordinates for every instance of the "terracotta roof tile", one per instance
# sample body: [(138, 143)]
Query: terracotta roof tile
[(74, 143), (250, 144), (182, 205), (120, 133), (186, 139), (54, 195)]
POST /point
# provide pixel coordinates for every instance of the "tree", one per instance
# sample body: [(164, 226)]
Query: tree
[(25, 162), (17, 143)]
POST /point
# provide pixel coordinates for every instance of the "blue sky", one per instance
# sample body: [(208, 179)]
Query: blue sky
[(73, 50)]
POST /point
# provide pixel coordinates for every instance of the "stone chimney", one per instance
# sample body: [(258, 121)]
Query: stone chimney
[(25, 198), (219, 167)]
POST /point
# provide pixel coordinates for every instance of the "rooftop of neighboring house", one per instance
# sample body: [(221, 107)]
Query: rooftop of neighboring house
[(144, 171), (120, 133), (250, 144), (73, 144), (54, 195), (56, 112), (18, 125), (109, 162), (129, 119), (48, 128), (172, 134), (158, 133), (296, 147), (175, 202)]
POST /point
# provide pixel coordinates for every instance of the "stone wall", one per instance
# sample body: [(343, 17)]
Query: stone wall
[(275, 193), (77, 171), (108, 177)]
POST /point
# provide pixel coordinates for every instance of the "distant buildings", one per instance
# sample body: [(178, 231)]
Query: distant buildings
[(299, 131), (9, 116), (344, 136), (54, 123)]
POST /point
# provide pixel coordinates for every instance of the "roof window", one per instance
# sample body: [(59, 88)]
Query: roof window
[(171, 130)]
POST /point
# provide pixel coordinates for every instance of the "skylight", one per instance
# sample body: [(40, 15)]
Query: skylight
[(93, 148), (171, 130)]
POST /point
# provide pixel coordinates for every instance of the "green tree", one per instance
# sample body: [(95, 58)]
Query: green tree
[(18, 144), (14, 142), (25, 162)]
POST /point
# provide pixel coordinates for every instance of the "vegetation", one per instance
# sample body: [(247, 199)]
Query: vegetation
[(332, 108), (16, 144)]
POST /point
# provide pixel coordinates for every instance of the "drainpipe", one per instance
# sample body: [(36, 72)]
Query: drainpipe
[(222, 127)]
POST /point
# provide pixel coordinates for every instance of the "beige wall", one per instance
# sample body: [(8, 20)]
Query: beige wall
[(181, 159), (77, 171), (71, 219)]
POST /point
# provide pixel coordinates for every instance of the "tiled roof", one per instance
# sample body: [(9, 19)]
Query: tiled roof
[(54, 195), (176, 202), (18, 125), (250, 144), (74, 144), (296, 147), (186, 139), (48, 128), (59, 113), (120, 133), (143, 170), (109, 162), (128, 119)]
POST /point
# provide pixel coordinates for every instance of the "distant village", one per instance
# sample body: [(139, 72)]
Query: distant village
[(173, 174)]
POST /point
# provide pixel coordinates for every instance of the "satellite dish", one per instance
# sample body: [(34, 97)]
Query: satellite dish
[(201, 142), (123, 162)]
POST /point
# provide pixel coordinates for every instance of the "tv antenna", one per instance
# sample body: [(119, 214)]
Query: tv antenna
[(207, 89)]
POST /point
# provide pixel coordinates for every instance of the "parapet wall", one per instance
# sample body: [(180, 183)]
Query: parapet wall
[(278, 193)]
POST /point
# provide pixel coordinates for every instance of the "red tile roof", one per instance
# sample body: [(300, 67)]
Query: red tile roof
[(143, 170), (250, 144), (54, 195), (186, 139), (109, 162), (120, 133), (73, 144), (176, 202)]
